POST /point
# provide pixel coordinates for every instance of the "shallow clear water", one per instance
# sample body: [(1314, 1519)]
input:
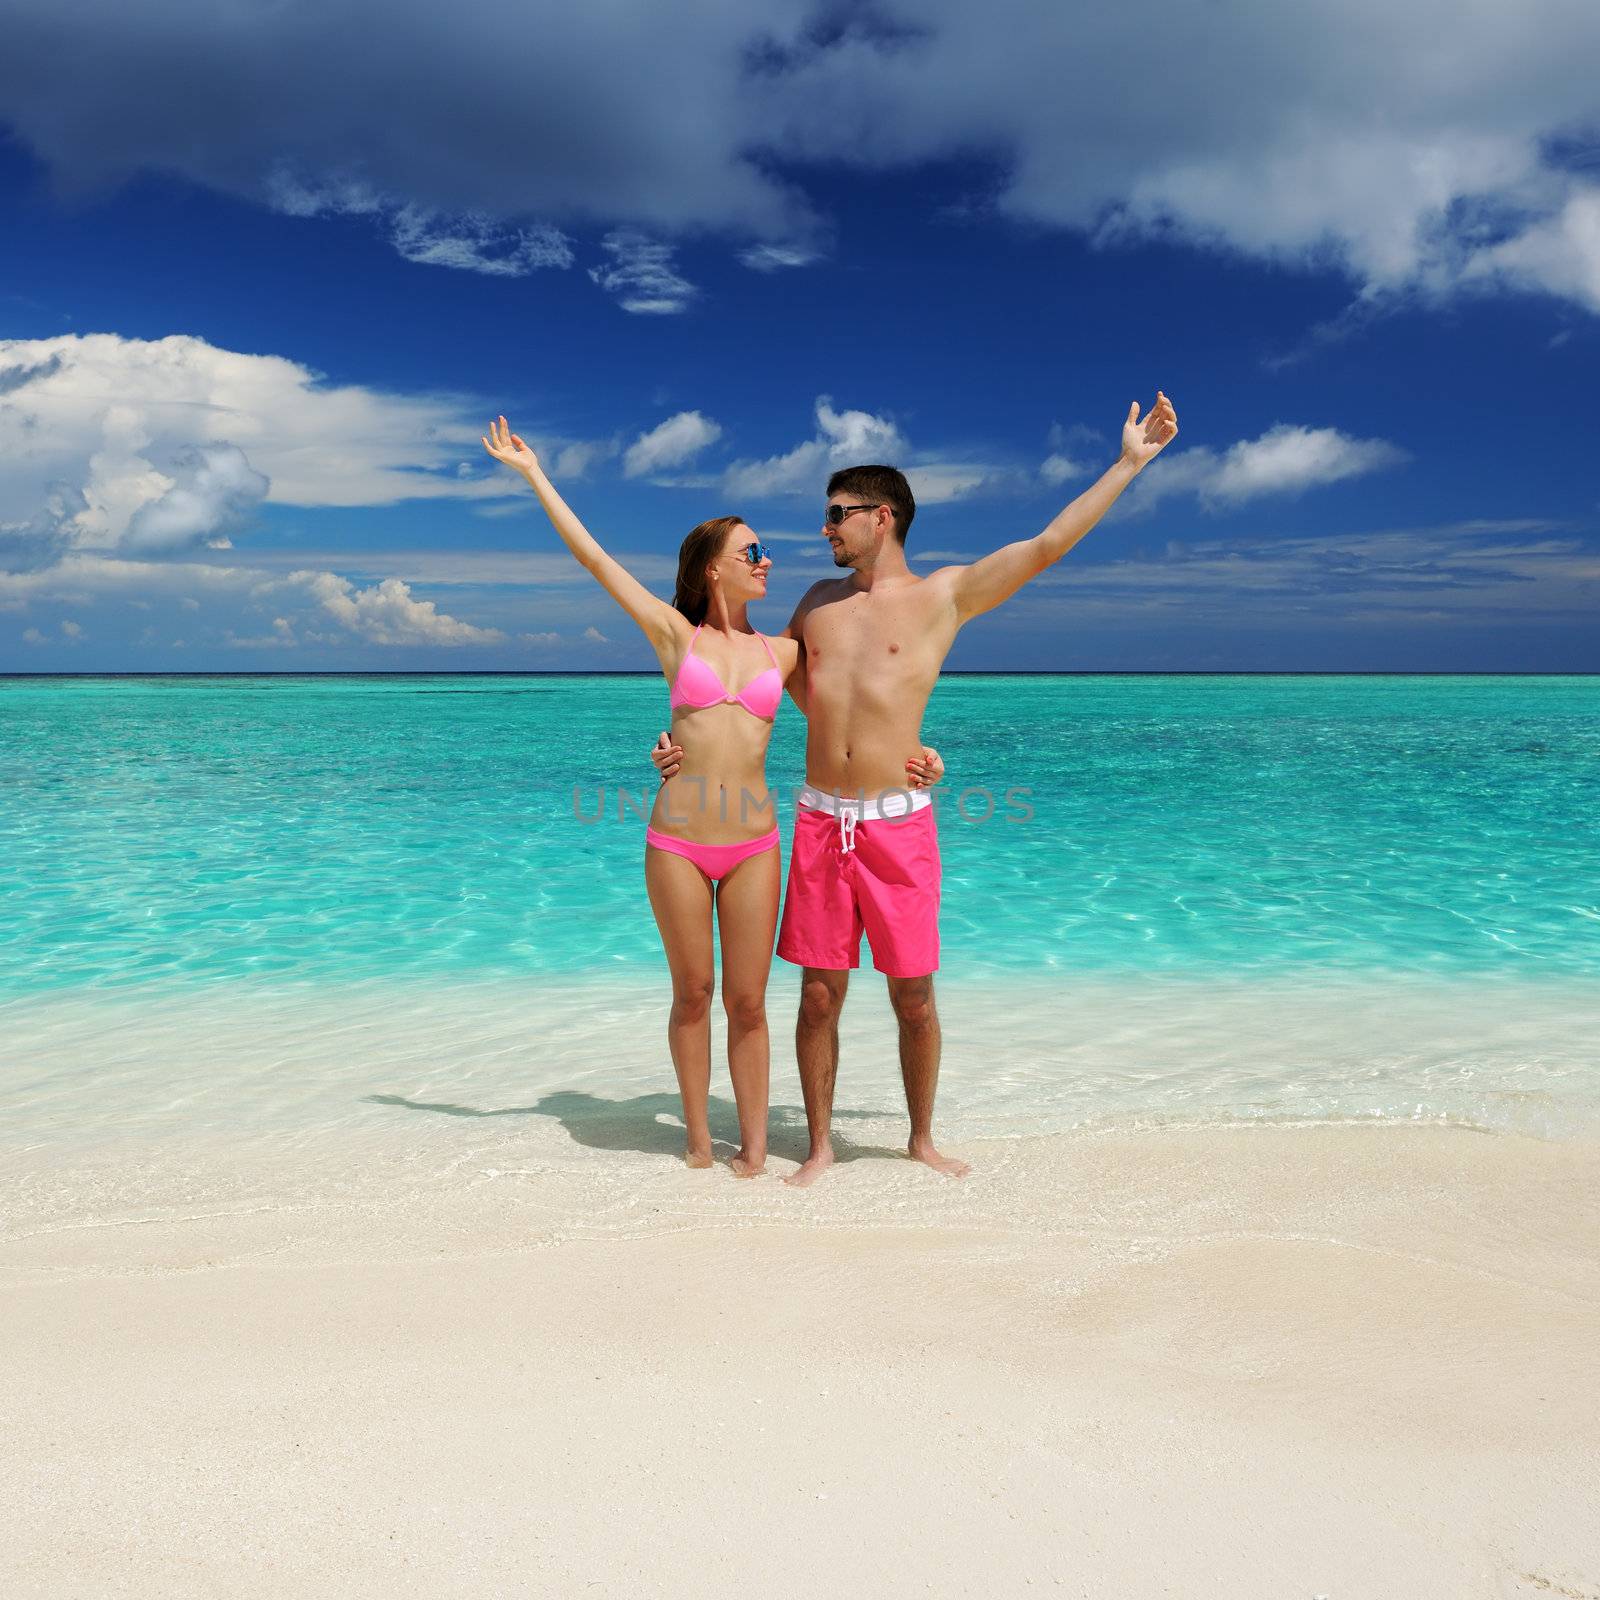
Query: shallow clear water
[(266, 938), (438, 826)]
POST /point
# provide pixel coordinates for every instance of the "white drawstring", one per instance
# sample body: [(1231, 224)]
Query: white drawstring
[(847, 828), (851, 809)]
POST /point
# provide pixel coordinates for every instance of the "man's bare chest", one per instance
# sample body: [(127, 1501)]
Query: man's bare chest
[(870, 632)]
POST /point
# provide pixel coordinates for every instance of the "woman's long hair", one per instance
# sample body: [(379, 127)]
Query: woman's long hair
[(699, 550)]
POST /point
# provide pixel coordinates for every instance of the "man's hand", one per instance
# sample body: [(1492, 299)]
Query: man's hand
[(1141, 441), (926, 769), (667, 756), (983, 584)]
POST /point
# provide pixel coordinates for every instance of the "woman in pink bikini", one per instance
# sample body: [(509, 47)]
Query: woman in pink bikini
[(712, 842)]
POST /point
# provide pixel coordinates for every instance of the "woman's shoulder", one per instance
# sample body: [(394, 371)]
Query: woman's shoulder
[(785, 649)]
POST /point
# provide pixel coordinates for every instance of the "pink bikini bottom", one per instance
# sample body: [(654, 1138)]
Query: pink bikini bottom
[(715, 860)]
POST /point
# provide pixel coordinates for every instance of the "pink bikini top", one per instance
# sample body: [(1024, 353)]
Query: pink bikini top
[(698, 685)]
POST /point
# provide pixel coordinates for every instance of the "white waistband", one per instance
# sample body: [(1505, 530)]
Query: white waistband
[(891, 803)]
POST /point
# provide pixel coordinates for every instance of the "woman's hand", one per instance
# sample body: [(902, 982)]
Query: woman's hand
[(505, 446), (667, 756), (925, 770)]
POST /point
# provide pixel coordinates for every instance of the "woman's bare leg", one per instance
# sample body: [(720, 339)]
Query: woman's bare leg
[(680, 896), (747, 922)]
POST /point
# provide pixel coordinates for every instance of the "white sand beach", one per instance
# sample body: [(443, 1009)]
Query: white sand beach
[(1352, 1361)]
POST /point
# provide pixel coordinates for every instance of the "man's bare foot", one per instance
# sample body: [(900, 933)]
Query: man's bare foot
[(922, 1150), (697, 1155), (749, 1166), (811, 1168)]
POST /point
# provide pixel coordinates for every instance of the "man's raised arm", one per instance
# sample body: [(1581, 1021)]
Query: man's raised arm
[(995, 577)]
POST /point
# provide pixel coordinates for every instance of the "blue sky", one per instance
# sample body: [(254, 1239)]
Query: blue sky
[(264, 285)]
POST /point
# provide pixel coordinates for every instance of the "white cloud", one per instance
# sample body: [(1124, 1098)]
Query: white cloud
[(677, 440), (575, 459), (1413, 157), (470, 569), (1476, 573), (33, 636), (846, 439), (595, 636), (238, 602), (935, 485), (386, 613), (213, 493), (282, 637), (1288, 459), (471, 241), (1560, 253), (641, 275), (1057, 468), (1072, 449), (549, 636), (97, 428), (776, 257), (72, 630), (478, 243), (843, 438)]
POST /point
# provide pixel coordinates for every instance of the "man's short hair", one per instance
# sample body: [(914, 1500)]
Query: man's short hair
[(883, 486)]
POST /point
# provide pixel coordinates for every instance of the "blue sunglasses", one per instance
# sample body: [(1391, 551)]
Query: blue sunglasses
[(755, 552)]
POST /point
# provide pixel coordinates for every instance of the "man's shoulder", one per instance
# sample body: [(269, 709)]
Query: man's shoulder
[(816, 595), (937, 589), (828, 586), (820, 592)]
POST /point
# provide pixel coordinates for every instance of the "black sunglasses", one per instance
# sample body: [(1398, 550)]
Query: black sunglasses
[(836, 514)]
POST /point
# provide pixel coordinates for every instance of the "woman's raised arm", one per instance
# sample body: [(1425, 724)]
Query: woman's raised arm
[(661, 623)]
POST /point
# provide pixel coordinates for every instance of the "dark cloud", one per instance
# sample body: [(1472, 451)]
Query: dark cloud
[(40, 542), (1358, 134), (20, 377), (607, 111)]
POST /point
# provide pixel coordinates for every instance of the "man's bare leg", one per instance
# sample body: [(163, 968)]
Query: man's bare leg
[(816, 1048), (920, 1041)]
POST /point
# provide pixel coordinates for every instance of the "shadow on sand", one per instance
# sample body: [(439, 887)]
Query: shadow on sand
[(637, 1124)]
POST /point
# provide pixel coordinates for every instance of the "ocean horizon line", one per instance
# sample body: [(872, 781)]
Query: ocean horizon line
[(950, 672)]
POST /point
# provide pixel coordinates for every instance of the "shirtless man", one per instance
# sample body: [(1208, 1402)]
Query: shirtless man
[(865, 852)]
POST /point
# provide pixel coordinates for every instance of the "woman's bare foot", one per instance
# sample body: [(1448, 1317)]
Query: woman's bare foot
[(696, 1155), (811, 1168), (749, 1164), (922, 1150)]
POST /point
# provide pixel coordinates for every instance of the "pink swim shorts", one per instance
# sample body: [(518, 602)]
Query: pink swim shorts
[(872, 872)]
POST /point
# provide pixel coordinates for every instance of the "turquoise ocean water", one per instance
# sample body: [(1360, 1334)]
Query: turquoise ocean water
[(168, 829), (261, 935)]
